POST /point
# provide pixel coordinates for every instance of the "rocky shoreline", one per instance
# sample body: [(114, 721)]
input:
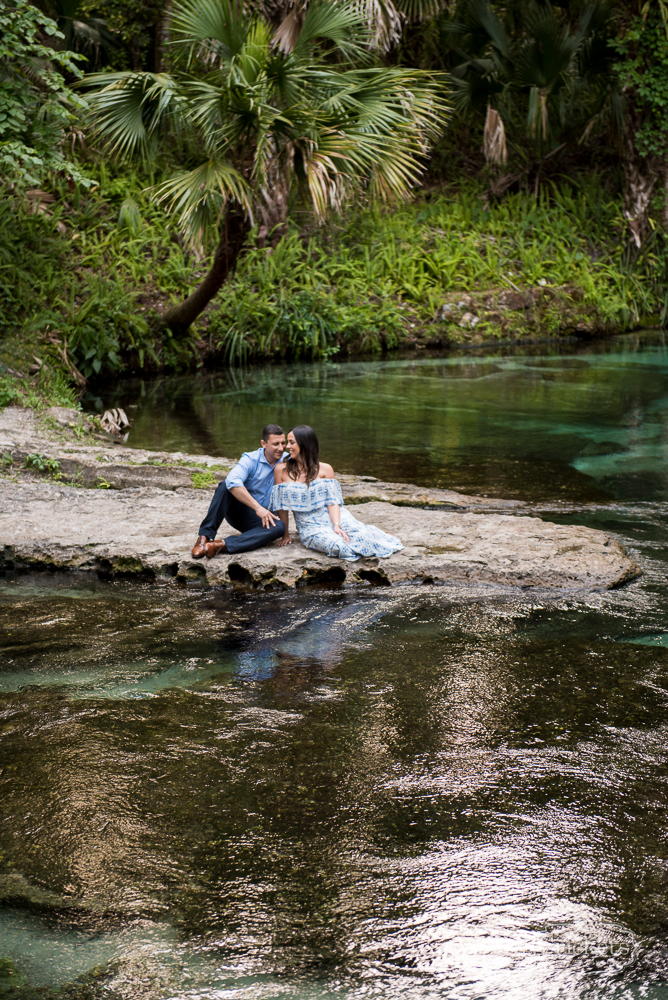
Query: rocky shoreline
[(72, 499)]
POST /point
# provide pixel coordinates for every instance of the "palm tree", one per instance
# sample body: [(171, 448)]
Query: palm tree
[(83, 33), (264, 126), (538, 68)]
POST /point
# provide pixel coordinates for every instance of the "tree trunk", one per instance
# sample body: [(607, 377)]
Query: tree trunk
[(163, 34), (640, 179), (235, 230)]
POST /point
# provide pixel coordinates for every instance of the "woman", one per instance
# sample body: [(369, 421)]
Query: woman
[(307, 487)]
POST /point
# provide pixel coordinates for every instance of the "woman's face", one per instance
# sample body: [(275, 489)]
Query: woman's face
[(292, 446)]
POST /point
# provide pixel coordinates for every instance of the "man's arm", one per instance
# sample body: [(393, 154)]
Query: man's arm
[(235, 484)]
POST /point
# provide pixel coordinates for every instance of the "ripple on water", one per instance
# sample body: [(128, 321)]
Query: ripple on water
[(335, 794), (423, 793)]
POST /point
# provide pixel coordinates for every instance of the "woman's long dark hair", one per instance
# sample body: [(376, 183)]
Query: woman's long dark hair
[(309, 453)]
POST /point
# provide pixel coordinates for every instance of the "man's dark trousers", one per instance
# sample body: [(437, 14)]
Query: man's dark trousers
[(225, 507)]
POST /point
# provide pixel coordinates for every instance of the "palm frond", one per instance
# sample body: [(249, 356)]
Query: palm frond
[(224, 22), (287, 33), (128, 109), (383, 100), (324, 161), (336, 21), (543, 61), (251, 62), (482, 26), (494, 138), (420, 10), (198, 197), (384, 21)]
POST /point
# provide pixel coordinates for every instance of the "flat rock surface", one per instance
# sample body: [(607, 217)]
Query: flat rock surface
[(149, 531)]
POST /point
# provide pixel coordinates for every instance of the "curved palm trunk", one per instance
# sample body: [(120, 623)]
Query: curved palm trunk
[(235, 230)]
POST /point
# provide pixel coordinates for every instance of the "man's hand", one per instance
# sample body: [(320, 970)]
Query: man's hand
[(242, 494), (268, 519)]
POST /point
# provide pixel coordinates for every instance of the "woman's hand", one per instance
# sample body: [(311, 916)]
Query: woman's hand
[(339, 531), (285, 540)]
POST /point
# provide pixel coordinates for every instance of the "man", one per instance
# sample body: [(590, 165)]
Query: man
[(243, 501)]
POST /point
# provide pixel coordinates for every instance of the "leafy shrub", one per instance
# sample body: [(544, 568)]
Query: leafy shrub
[(49, 387), (103, 328), (37, 107), (9, 393), (41, 463)]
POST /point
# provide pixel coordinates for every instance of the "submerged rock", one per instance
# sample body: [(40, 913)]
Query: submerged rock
[(148, 532)]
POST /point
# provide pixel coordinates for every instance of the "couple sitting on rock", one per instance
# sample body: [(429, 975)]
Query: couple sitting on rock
[(266, 484)]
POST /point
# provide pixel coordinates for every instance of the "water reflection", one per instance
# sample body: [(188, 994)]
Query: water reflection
[(424, 792), (333, 794), (580, 424)]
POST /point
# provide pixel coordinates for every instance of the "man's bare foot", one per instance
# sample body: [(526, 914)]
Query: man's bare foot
[(199, 548), (215, 549)]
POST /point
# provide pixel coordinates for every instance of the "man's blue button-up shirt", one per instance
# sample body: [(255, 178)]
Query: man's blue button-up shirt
[(255, 473)]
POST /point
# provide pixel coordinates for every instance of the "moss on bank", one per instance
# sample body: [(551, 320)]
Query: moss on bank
[(84, 286)]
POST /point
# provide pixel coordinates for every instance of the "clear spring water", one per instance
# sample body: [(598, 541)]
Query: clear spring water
[(422, 793)]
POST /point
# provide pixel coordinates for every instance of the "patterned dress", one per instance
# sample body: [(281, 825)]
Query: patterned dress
[(316, 531)]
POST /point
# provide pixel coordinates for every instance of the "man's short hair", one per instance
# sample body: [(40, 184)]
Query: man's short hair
[(271, 429)]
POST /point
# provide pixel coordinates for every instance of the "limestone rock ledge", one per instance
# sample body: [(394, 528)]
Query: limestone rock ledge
[(148, 532)]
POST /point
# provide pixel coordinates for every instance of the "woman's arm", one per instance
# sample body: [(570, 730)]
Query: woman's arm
[(279, 477), (279, 473), (284, 516), (334, 512)]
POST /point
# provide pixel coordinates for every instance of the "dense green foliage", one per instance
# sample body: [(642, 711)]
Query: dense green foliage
[(642, 68), (37, 107), (375, 279), (384, 275), (85, 280), (547, 70)]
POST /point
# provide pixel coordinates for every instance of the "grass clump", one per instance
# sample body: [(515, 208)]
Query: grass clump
[(203, 480), (49, 386)]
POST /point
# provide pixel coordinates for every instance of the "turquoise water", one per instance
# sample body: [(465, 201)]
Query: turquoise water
[(542, 426), (414, 793)]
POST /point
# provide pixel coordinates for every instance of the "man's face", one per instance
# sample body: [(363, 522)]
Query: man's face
[(274, 447)]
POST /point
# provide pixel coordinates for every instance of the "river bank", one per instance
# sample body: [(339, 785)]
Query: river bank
[(135, 513), (452, 268)]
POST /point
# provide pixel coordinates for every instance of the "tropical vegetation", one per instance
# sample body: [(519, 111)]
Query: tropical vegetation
[(212, 180)]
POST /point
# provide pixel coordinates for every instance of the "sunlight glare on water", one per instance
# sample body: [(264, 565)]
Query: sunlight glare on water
[(425, 793)]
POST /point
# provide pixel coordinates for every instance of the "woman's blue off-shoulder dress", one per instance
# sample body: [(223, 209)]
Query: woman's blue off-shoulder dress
[(309, 505)]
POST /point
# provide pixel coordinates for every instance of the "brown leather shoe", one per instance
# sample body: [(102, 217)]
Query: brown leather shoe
[(199, 548), (215, 548)]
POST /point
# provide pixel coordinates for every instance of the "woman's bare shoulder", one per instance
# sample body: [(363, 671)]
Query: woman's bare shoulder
[(280, 473), (325, 471)]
